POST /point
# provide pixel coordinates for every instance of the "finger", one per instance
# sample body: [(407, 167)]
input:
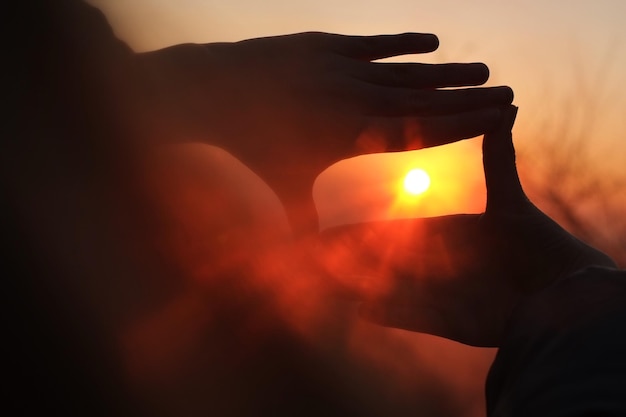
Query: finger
[(414, 75), (368, 48), (410, 133), (458, 100), (378, 100), (504, 190)]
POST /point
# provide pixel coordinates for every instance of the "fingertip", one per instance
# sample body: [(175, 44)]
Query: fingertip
[(482, 71), (503, 95), (434, 39), (510, 94), (427, 41)]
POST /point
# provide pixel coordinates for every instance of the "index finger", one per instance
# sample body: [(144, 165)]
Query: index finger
[(504, 190), (369, 48)]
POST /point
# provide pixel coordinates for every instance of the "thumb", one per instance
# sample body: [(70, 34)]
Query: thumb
[(504, 190)]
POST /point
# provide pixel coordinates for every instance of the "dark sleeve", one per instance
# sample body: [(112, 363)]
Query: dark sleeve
[(66, 75), (72, 80), (565, 351)]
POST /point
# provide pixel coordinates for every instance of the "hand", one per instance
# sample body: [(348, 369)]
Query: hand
[(460, 276), (290, 106)]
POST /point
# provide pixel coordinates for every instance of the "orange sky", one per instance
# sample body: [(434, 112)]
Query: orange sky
[(565, 59), (372, 185)]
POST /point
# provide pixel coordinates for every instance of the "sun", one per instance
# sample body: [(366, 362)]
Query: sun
[(416, 181)]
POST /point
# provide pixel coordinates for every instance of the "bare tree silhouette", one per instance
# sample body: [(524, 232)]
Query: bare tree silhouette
[(565, 170)]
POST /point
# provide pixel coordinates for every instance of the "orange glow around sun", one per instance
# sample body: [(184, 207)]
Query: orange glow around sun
[(416, 181), (423, 183)]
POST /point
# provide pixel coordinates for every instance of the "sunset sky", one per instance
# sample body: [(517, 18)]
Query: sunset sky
[(554, 54)]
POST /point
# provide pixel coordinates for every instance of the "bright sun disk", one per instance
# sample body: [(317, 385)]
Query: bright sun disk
[(416, 181)]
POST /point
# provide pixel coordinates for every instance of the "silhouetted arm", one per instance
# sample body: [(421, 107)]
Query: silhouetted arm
[(563, 352)]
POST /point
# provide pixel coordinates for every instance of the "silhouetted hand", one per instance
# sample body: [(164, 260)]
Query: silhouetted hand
[(460, 276), (290, 106)]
